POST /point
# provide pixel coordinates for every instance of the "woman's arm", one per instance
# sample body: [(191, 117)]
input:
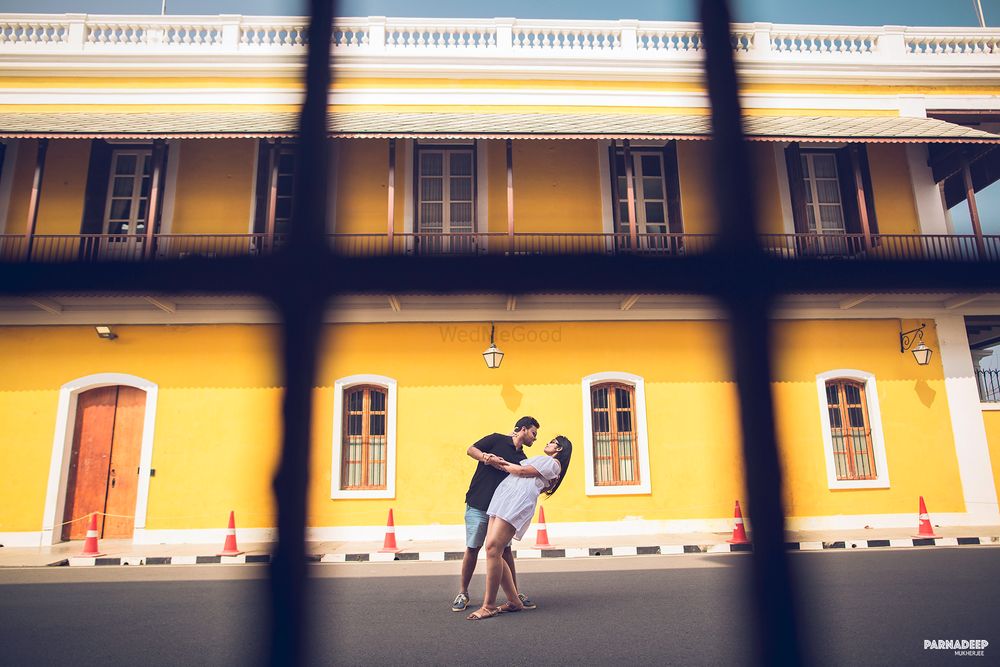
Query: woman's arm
[(522, 471)]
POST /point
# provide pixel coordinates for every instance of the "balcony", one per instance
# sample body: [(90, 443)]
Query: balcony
[(856, 247), (989, 385)]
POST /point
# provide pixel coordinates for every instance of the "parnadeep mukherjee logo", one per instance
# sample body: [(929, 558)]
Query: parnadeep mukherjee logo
[(976, 647)]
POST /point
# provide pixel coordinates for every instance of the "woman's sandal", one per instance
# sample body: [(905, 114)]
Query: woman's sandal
[(509, 608), (481, 613)]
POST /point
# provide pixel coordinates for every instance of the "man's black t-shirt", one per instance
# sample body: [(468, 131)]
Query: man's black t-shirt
[(487, 478)]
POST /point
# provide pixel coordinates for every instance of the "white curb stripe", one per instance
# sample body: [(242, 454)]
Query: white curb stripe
[(719, 549), (431, 556), (810, 546), (577, 553), (333, 558), (900, 543), (77, 560), (948, 541), (378, 557), (184, 560), (528, 553), (672, 549), (242, 558), (624, 551)]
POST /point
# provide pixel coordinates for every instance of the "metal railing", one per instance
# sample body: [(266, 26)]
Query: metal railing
[(119, 247), (989, 385)]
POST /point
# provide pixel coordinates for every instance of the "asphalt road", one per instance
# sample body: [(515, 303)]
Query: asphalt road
[(856, 609)]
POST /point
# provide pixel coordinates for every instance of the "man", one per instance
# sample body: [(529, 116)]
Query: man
[(490, 452)]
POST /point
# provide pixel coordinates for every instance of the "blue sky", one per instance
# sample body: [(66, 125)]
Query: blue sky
[(844, 12)]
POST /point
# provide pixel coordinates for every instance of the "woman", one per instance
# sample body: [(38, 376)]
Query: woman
[(510, 513)]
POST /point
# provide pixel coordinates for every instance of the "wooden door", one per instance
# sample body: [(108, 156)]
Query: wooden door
[(104, 462)]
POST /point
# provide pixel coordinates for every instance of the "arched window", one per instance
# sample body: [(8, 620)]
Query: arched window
[(854, 447), (364, 443), (615, 444), (364, 437), (850, 429), (616, 452)]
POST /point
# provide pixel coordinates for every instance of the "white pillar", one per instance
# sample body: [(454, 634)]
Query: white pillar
[(971, 447), (926, 195)]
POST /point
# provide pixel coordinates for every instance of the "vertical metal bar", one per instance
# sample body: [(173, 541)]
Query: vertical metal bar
[(301, 300), (36, 193), (273, 153), (153, 207), (748, 304), (633, 229), (392, 193), (510, 196), (970, 197)]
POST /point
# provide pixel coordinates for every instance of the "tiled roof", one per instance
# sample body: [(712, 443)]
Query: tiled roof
[(484, 125)]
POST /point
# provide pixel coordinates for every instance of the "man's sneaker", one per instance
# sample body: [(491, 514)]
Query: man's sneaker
[(528, 604), (460, 603)]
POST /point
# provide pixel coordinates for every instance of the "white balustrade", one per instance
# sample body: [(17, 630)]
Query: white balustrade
[(625, 39)]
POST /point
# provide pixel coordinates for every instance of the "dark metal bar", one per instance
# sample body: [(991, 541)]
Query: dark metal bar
[(36, 193), (859, 188), (749, 302), (301, 300)]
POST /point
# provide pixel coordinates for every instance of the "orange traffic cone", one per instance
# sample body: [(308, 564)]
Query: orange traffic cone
[(542, 540), (926, 529), (90, 549), (739, 532), (230, 548), (389, 545)]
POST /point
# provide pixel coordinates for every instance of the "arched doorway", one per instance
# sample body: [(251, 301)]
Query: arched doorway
[(104, 462)]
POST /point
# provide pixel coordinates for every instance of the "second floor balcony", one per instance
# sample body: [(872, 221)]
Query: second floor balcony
[(854, 247)]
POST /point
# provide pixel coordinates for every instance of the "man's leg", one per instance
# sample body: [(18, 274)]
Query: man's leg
[(469, 567)]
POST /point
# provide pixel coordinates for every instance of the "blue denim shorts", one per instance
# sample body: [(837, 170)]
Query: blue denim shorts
[(476, 523)]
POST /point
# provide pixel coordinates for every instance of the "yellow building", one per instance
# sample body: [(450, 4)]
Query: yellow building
[(146, 138)]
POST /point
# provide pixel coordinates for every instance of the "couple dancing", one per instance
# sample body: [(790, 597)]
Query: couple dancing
[(499, 506)]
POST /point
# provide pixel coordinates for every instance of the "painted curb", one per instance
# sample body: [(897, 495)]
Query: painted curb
[(577, 552)]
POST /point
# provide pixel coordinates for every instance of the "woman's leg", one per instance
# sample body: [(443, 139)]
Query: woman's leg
[(510, 588), (498, 534)]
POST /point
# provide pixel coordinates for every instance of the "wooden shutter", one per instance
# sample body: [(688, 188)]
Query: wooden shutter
[(847, 158), (673, 184), (797, 188), (850, 430), (96, 193), (261, 190)]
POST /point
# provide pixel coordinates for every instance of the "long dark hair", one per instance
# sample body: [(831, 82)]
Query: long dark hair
[(563, 456)]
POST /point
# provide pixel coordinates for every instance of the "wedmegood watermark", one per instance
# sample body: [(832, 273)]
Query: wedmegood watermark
[(965, 647), (518, 333)]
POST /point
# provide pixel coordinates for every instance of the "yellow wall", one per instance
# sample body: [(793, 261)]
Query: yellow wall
[(60, 209), (217, 421), (556, 187), (894, 206), (362, 185), (992, 421), (20, 191), (214, 186)]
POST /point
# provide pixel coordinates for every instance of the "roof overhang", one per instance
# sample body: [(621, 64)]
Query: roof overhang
[(443, 125)]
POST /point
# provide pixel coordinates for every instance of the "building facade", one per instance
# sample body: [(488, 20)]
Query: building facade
[(141, 138)]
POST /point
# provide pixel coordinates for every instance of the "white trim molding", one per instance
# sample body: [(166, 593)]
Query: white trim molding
[(642, 440), (62, 447), (971, 446), (881, 480), (390, 436)]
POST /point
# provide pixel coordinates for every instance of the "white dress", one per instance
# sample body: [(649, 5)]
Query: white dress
[(515, 499)]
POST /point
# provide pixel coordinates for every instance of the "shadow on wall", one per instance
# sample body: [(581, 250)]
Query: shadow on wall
[(925, 393), (511, 397)]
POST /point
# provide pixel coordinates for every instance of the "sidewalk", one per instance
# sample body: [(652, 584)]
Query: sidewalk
[(123, 552)]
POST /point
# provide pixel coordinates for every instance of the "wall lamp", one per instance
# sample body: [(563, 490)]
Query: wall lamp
[(921, 352), (493, 355), (105, 332)]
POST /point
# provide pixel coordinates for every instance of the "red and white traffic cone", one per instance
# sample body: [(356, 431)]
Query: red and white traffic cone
[(542, 539), (90, 549), (230, 548), (389, 544), (926, 529), (739, 531)]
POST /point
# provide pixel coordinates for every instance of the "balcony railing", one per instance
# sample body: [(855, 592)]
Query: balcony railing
[(504, 37), (989, 385), (857, 247)]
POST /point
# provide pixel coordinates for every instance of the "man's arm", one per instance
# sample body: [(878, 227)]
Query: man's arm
[(522, 471), (480, 450)]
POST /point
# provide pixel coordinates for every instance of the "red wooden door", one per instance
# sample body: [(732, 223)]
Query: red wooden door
[(107, 437)]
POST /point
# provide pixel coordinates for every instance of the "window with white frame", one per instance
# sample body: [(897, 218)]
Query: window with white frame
[(650, 190), (364, 437), (616, 451), (854, 447), (128, 191)]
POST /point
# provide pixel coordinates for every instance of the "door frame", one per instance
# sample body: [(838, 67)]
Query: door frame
[(62, 449)]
